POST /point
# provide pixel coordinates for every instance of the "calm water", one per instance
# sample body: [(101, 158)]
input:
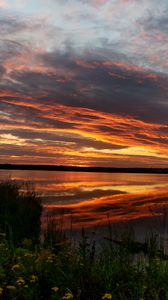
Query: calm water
[(93, 200)]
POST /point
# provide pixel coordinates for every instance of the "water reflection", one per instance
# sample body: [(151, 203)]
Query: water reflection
[(89, 199)]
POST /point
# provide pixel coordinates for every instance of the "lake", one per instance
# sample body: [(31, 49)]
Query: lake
[(95, 200)]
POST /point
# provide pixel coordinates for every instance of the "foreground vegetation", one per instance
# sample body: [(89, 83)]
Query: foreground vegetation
[(54, 269), (20, 211)]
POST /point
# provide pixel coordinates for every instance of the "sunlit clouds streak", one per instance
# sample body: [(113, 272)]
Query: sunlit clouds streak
[(82, 133)]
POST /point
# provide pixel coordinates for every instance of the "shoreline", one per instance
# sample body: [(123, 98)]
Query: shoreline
[(83, 169)]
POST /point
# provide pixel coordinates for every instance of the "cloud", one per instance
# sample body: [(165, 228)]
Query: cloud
[(70, 134), (82, 84), (115, 86), (2, 4)]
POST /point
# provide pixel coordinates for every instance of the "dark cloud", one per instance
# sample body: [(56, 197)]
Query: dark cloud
[(104, 86), (2, 72), (10, 25), (98, 86), (159, 23), (10, 50)]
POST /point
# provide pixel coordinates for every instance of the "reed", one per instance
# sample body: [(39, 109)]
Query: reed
[(20, 211)]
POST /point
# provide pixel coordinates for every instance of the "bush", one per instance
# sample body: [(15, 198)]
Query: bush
[(20, 211)]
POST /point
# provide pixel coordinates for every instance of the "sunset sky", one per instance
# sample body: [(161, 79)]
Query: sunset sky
[(84, 82)]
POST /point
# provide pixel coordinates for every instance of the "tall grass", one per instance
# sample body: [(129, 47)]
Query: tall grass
[(80, 273), (20, 211)]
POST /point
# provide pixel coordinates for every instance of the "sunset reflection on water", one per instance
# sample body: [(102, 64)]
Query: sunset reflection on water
[(90, 199)]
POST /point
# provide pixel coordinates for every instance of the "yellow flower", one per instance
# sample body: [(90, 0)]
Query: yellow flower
[(28, 254), (51, 258), (107, 296), (1, 291), (33, 279), (15, 267), (67, 296), (11, 287), (55, 289), (20, 281)]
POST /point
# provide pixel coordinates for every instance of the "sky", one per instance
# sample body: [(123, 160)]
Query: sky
[(84, 82)]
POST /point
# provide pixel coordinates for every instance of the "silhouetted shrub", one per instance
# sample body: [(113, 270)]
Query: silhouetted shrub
[(20, 211)]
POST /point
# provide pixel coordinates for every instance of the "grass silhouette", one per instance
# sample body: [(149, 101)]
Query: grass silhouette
[(20, 211)]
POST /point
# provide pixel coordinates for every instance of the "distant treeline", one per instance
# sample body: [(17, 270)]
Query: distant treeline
[(83, 169)]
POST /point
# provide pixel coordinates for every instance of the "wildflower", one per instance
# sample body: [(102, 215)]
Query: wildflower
[(33, 279), (107, 296), (55, 289), (28, 254), (20, 281), (1, 291), (51, 258), (11, 287), (15, 267), (67, 296)]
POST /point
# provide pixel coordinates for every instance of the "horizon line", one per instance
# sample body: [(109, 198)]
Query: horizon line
[(46, 167)]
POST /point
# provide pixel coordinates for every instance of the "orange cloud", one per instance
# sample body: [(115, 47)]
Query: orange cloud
[(133, 137)]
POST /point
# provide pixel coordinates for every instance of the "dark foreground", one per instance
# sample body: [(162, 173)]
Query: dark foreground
[(60, 271), (34, 267)]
